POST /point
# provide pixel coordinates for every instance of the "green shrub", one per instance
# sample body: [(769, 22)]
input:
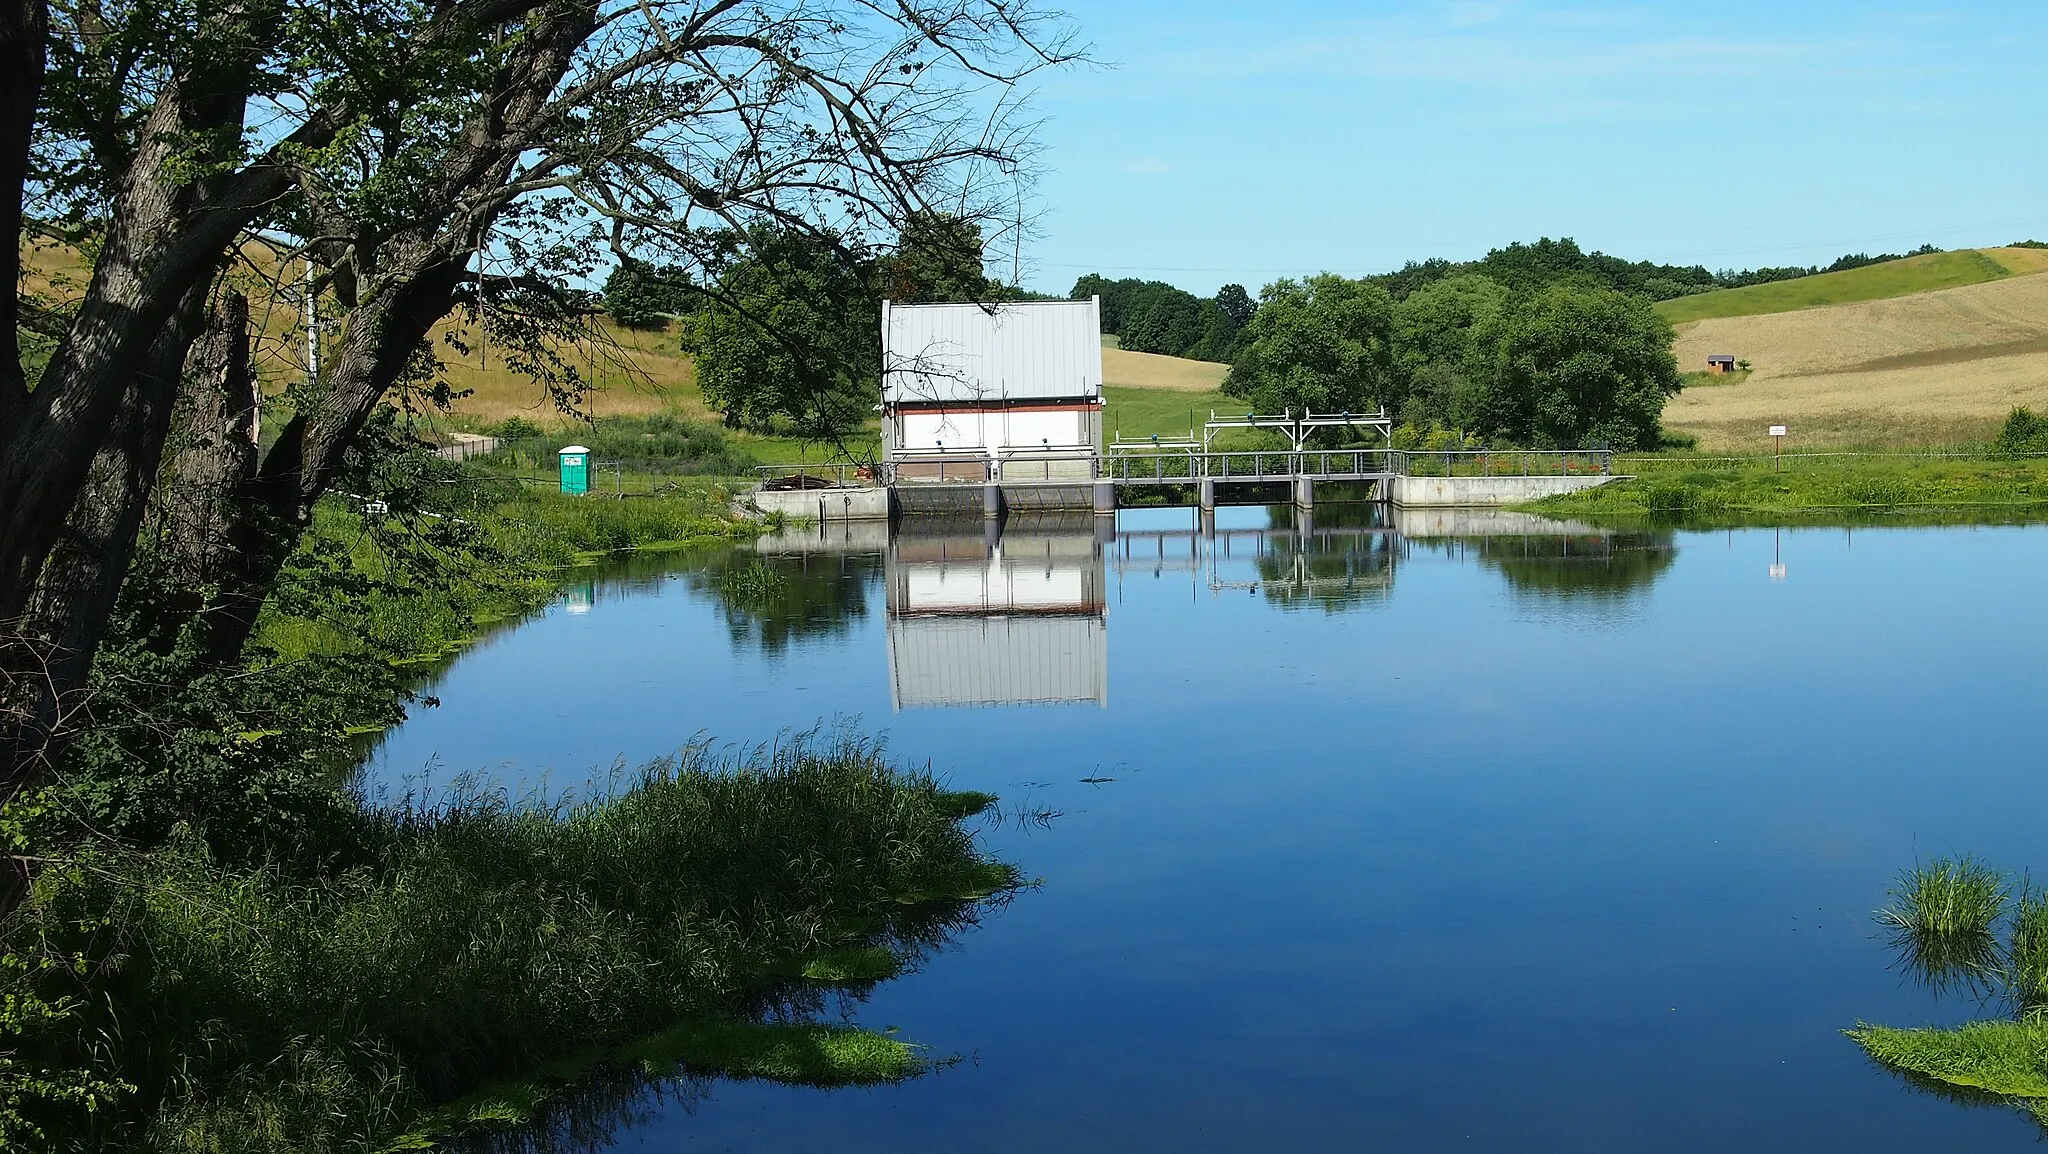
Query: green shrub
[(2022, 434), (516, 429)]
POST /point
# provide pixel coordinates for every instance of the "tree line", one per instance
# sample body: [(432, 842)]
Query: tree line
[(1149, 316), (1562, 366)]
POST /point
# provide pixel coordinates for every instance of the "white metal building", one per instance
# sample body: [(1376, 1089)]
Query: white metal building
[(995, 380)]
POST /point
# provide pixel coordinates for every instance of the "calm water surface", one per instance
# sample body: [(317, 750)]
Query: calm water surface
[(1487, 835)]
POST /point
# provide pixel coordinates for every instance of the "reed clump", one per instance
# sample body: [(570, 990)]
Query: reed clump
[(1960, 896), (484, 942)]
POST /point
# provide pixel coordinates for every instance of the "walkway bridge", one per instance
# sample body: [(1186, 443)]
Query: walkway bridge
[(1188, 475)]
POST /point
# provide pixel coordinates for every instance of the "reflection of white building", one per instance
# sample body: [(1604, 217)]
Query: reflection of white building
[(982, 381), (1017, 621)]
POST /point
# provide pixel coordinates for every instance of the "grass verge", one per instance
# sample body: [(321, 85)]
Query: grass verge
[(1747, 490)]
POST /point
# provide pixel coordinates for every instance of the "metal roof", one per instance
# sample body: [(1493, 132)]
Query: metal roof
[(1016, 350)]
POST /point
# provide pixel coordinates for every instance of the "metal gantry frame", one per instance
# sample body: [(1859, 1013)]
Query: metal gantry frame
[(1299, 428)]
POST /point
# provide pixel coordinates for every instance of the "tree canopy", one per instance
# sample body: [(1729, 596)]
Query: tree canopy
[(1323, 343), (473, 159), (788, 331)]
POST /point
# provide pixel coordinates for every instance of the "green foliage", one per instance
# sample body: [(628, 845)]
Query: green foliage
[(1944, 919), (1585, 368), (2027, 952), (489, 940), (661, 443), (1447, 350), (852, 964), (642, 296), (938, 259), (787, 334), (2009, 1059), (2022, 434), (1323, 343), (516, 429), (1745, 489), (39, 1083), (1568, 367), (1941, 919)]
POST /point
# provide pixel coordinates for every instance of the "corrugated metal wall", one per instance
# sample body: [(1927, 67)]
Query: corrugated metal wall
[(1025, 350)]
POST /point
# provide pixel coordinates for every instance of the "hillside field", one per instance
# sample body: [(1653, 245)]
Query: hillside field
[(1934, 368)]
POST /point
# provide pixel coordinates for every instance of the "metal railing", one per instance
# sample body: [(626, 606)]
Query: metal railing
[(1185, 466), (845, 475)]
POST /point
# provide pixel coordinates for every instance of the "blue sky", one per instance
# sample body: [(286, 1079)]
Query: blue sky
[(1245, 141)]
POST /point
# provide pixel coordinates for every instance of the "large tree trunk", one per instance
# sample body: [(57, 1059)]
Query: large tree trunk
[(202, 516), (274, 504), (167, 233), (73, 600)]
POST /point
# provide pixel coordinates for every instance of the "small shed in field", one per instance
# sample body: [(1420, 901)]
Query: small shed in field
[(987, 381), (1720, 363)]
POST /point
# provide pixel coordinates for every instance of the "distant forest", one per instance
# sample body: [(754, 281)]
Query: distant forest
[(1150, 316)]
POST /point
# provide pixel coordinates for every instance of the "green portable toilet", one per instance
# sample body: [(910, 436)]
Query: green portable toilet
[(575, 462)]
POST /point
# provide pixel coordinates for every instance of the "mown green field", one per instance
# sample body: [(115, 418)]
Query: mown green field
[(1170, 413), (1873, 282)]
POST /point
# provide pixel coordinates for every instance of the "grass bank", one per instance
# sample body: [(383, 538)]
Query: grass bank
[(1752, 489), (418, 584), (227, 950), (478, 955)]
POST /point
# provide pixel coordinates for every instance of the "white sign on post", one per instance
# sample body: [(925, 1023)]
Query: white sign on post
[(1777, 430)]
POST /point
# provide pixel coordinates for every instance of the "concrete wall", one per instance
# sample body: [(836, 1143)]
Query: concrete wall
[(826, 504), (1053, 496), (1454, 492)]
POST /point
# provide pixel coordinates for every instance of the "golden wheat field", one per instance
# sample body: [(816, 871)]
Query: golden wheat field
[(1934, 368), (1121, 369)]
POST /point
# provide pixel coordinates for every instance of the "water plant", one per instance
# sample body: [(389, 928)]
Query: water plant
[(2026, 963), (1941, 917)]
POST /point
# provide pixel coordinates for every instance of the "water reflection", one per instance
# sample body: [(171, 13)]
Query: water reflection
[(1545, 559), (1016, 611), (772, 599), (989, 614)]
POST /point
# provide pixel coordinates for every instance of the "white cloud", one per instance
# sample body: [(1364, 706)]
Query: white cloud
[(1147, 166)]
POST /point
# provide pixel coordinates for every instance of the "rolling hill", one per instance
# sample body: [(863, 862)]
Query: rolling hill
[(1926, 368)]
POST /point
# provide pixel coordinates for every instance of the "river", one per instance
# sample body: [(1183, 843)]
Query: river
[(1466, 832)]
